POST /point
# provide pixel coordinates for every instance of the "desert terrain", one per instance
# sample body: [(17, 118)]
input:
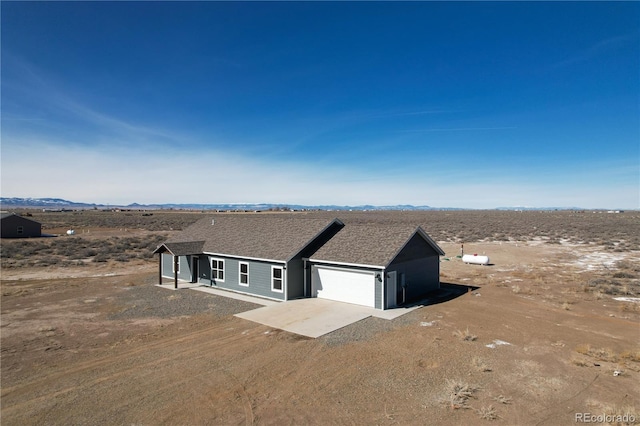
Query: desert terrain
[(547, 332)]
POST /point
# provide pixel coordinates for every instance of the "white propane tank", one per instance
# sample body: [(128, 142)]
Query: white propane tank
[(475, 259), (71, 232)]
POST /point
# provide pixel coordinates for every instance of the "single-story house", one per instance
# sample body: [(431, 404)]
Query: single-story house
[(284, 258), (14, 226)]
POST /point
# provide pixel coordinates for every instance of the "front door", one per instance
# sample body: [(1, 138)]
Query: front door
[(391, 290), (194, 268)]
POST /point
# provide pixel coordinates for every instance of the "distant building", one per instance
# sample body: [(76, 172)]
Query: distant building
[(14, 226)]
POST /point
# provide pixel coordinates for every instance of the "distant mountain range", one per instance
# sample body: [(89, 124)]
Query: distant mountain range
[(60, 204)]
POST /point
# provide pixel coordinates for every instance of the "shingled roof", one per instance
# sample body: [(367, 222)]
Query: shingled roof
[(270, 237), (371, 244), (182, 248)]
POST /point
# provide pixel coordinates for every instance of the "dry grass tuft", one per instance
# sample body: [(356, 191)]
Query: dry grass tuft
[(583, 349), (459, 393), (601, 354), (630, 307), (465, 335), (580, 362), (631, 355), (503, 399), (487, 413), (605, 354)]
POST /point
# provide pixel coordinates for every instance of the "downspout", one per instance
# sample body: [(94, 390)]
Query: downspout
[(383, 274), (176, 263), (304, 273), (286, 281)]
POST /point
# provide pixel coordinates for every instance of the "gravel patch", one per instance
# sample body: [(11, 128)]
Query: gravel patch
[(155, 302), (367, 328)]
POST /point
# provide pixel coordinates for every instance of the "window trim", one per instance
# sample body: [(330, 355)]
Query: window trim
[(217, 259), (240, 273), (273, 278)]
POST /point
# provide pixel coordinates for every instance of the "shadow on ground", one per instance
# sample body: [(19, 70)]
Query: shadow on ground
[(446, 292)]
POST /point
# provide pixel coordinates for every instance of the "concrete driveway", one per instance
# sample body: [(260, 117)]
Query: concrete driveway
[(315, 317)]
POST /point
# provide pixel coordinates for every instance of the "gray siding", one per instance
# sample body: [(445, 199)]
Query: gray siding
[(295, 279), (185, 267), (259, 276), (420, 265), (379, 287), (416, 248), (421, 276)]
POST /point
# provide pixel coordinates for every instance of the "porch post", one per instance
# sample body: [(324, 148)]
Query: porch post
[(160, 268), (176, 264)]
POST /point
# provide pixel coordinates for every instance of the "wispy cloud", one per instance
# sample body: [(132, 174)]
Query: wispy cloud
[(456, 129), (598, 49), (412, 113), (59, 105)]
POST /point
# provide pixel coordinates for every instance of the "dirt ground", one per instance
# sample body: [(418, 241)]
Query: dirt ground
[(530, 345)]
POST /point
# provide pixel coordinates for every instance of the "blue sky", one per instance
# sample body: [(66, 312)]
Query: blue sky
[(455, 104)]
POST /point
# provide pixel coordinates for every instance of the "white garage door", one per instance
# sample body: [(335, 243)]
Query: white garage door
[(343, 285)]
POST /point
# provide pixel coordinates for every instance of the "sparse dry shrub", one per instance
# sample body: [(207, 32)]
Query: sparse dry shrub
[(601, 354), (630, 307), (465, 335), (515, 289), (628, 265), (580, 362), (458, 393), (487, 413), (71, 251), (631, 355), (583, 349), (624, 274), (605, 354), (100, 257), (502, 399)]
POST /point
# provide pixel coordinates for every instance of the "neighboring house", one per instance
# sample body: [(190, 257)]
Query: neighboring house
[(14, 226), (284, 258)]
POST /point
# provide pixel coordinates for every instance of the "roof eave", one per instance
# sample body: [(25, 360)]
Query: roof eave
[(333, 262), (235, 256), (162, 248)]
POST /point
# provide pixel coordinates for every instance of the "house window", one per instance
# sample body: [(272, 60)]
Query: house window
[(217, 269), (276, 279), (244, 273), (20, 230)]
